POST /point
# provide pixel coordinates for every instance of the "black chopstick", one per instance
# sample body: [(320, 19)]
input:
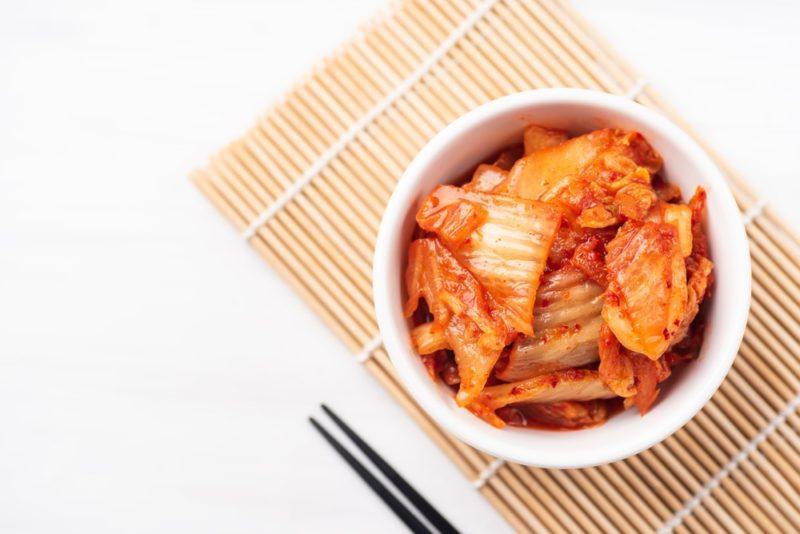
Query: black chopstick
[(391, 501), (425, 508)]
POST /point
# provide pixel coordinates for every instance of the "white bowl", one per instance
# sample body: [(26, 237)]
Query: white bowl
[(482, 132)]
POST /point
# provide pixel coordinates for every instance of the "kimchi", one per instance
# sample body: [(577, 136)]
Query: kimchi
[(561, 282)]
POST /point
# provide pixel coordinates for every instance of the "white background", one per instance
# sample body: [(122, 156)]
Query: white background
[(155, 375)]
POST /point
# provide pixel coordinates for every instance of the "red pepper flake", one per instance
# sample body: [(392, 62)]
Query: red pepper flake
[(576, 328), (666, 333), (517, 390), (544, 303)]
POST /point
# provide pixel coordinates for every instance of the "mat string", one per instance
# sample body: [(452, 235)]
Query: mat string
[(488, 472), (754, 211), (371, 346), (351, 133), (636, 89), (741, 456)]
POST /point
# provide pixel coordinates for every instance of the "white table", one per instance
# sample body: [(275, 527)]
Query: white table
[(155, 375)]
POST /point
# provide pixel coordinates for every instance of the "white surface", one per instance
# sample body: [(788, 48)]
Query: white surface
[(476, 136), (154, 374)]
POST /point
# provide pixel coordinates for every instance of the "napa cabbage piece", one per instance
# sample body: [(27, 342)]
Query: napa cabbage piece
[(553, 350), (630, 375), (700, 278), (616, 186), (506, 249), (698, 267), (567, 324), (603, 177), (460, 307), (567, 239), (538, 137), (428, 338), (600, 215), (538, 172), (616, 370), (580, 247), (453, 213), (488, 179), (646, 299), (589, 258), (679, 216), (559, 386), (634, 200), (474, 361), (688, 223), (697, 205), (424, 279), (435, 275), (628, 158), (569, 415), (649, 373), (566, 297)]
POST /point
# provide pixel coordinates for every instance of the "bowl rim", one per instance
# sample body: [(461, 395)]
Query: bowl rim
[(396, 342)]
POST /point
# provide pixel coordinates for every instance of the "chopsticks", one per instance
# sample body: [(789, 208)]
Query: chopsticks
[(408, 517)]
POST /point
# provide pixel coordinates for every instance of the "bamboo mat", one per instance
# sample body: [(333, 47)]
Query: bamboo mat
[(306, 187)]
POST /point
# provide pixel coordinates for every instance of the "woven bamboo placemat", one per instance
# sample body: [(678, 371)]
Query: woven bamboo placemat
[(306, 187)]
